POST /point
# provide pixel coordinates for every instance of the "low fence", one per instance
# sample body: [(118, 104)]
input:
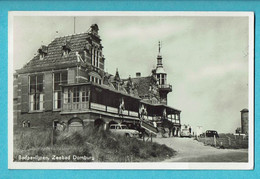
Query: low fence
[(226, 141)]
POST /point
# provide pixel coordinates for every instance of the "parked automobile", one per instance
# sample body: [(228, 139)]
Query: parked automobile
[(123, 130), (211, 133), (136, 127), (185, 133)]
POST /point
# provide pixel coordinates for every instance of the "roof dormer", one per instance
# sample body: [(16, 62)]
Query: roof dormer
[(43, 51), (94, 29), (66, 48)]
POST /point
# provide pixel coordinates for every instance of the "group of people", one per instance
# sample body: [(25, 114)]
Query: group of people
[(174, 131)]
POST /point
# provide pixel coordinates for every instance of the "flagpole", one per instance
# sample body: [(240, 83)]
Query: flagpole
[(74, 24)]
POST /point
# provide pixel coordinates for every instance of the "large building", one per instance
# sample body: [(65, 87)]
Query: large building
[(66, 83)]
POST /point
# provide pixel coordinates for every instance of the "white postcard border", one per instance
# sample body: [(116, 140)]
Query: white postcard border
[(139, 166)]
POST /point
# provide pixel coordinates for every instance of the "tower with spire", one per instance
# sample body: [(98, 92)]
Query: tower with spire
[(161, 77)]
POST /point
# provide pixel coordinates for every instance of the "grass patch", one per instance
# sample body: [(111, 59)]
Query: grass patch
[(84, 146)]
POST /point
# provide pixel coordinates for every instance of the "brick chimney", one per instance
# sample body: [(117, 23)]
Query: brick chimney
[(138, 74)]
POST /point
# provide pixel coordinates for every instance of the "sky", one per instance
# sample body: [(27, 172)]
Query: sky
[(206, 58)]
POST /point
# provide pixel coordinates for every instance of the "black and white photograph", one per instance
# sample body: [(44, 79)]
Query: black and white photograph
[(131, 90)]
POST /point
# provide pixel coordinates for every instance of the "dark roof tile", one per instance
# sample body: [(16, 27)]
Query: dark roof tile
[(54, 55), (142, 84)]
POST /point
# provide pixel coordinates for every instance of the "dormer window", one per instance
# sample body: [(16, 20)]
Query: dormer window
[(65, 52), (42, 56), (66, 49), (42, 51), (94, 29)]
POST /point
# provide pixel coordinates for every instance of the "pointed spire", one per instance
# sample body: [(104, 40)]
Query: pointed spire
[(117, 77), (159, 56), (159, 48)]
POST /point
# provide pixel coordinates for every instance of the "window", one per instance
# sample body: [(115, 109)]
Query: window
[(66, 49), (26, 124), (123, 127), (95, 55), (36, 92), (76, 98), (84, 94), (95, 80), (65, 52), (75, 94), (163, 79), (67, 95), (42, 55), (92, 56), (58, 79), (158, 78)]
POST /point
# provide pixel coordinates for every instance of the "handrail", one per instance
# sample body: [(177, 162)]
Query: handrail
[(165, 86)]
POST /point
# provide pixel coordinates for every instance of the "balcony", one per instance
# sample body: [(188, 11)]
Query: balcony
[(76, 106), (165, 87), (113, 110), (84, 106)]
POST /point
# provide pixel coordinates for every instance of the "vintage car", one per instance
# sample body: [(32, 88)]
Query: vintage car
[(123, 130), (185, 133), (211, 133)]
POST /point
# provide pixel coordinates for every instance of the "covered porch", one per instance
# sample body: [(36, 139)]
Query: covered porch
[(159, 112), (100, 100)]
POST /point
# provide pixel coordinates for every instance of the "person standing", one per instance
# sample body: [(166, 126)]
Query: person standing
[(173, 131)]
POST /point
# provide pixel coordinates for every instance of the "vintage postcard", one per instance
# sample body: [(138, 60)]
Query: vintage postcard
[(131, 90)]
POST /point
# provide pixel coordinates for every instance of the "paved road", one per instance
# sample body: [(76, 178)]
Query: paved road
[(190, 150)]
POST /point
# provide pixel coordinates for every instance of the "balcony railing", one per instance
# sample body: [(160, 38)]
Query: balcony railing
[(75, 106), (98, 106), (113, 110), (83, 106), (176, 121), (165, 86)]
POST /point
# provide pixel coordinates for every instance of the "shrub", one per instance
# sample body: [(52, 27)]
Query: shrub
[(100, 144), (27, 139)]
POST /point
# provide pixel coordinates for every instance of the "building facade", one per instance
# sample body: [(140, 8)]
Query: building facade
[(65, 83)]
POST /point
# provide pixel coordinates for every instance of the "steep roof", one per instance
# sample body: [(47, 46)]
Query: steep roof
[(54, 58), (143, 84)]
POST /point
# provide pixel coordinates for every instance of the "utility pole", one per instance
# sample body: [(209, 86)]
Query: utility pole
[(74, 19)]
